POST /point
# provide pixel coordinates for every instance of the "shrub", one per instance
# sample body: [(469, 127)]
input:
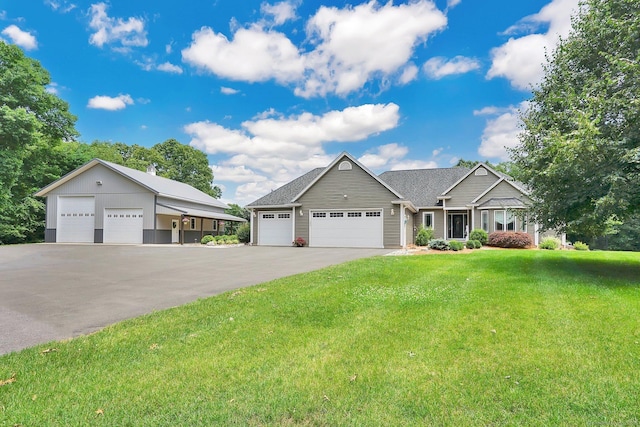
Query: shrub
[(580, 246), (479, 235), (550, 243), (299, 242), (454, 245), (218, 239), (206, 239), (244, 233), (473, 244), (510, 239), (438, 245), (423, 236)]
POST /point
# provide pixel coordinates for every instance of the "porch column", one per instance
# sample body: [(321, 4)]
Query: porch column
[(444, 211), (473, 220), (182, 229), (403, 231), (293, 223), (253, 213), (201, 228)]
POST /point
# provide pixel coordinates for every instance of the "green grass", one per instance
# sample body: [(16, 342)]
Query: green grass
[(485, 338)]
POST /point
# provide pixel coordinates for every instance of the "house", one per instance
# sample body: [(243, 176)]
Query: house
[(347, 205), (102, 202)]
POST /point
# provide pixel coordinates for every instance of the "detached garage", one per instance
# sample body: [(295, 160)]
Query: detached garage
[(102, 202)]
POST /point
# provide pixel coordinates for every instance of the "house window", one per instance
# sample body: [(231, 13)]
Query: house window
[(523, 224), (284, 215), (484, 219), (345, 166), (268, 216), (336, 215), (193, 223), (498, 218), (354, 214), (427, 220), (370, 214), (481, 172), (215, 225), (319, 214), (511, 221)]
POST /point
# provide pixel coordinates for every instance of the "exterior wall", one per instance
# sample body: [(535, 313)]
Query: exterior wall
[(504, 189), (470, 188), (188, 205), (363, 192), (438, 218), (114, 192)]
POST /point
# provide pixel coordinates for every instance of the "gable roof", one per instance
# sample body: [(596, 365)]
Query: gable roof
[(501, 177), (156, 184), (284, 195), (352, 159), (423, 186)]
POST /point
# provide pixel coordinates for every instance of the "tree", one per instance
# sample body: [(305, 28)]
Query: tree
[(186, 164), (580, 148), (240, 212), (33, 122)]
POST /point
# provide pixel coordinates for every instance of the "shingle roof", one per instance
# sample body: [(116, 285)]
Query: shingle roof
[(423, 186), (285, 194)]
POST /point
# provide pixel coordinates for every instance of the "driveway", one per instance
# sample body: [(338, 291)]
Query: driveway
[(56, 291)]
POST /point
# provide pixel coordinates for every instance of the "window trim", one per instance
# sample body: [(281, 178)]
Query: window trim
[(484, 220), (424, 219), (193, 224)]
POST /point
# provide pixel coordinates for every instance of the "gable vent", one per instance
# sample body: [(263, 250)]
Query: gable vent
[(480, 172), (345, 166)]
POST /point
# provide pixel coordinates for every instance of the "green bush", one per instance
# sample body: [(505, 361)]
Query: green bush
[(454, 245), (474, 244), (438, 245), (580, 246), (550, 243), (479, 235), (244, 233), (206, 239), (424, 235)]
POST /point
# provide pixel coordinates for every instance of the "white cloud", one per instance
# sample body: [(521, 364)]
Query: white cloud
[(439, 67), (52, 88), (24, 39), (228, 90), (491, 110), (520, 60), (279, 12), (501, 133), (110, 103), (413, 164), (355, 44), (275, 149), (63, 6), (383, 155), (409, 74), (170, 68), (452, 3), (253, 55), (127, 33)]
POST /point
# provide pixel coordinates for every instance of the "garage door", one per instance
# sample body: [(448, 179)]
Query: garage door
[(122, 226), (274, 229), (346, 229), (76, 219)]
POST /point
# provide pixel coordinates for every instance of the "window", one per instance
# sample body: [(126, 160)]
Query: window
[(498, 217), (284, 215), (484, 220), (354, 214), (427, 220), (511, 221), (345, 166), (336, 214), (523, 224), (215, 225), (371, 214), (193, 223), (319, 214), (480, 172), (268, 216)]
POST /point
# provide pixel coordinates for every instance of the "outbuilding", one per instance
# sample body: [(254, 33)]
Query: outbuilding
[(103, 202)]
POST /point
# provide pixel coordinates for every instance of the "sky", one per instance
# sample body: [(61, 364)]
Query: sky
[(272, 89)]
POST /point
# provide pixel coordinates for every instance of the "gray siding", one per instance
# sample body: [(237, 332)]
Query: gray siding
[(504, 189), (114, 192), (189, 205), (363, 192), (470, 188), (438, 221)]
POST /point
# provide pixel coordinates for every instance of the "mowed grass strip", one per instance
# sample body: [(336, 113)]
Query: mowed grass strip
[(485, 338)]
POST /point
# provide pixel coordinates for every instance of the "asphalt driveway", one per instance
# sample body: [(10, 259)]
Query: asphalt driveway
[(56, 291)]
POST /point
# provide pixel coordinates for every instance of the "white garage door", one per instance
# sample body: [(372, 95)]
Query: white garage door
[(346, 229), (76, 219), (122, 225), (274, 229)]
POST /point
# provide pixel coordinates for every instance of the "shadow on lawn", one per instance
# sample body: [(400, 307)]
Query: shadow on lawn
[(604, 272)]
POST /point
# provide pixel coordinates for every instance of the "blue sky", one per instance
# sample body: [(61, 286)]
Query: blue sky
[(270, 90)]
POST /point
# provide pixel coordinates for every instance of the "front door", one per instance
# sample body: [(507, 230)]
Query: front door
[(175, 231), (457, 226)]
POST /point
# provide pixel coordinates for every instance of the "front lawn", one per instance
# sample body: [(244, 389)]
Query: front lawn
[(485, 338)]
